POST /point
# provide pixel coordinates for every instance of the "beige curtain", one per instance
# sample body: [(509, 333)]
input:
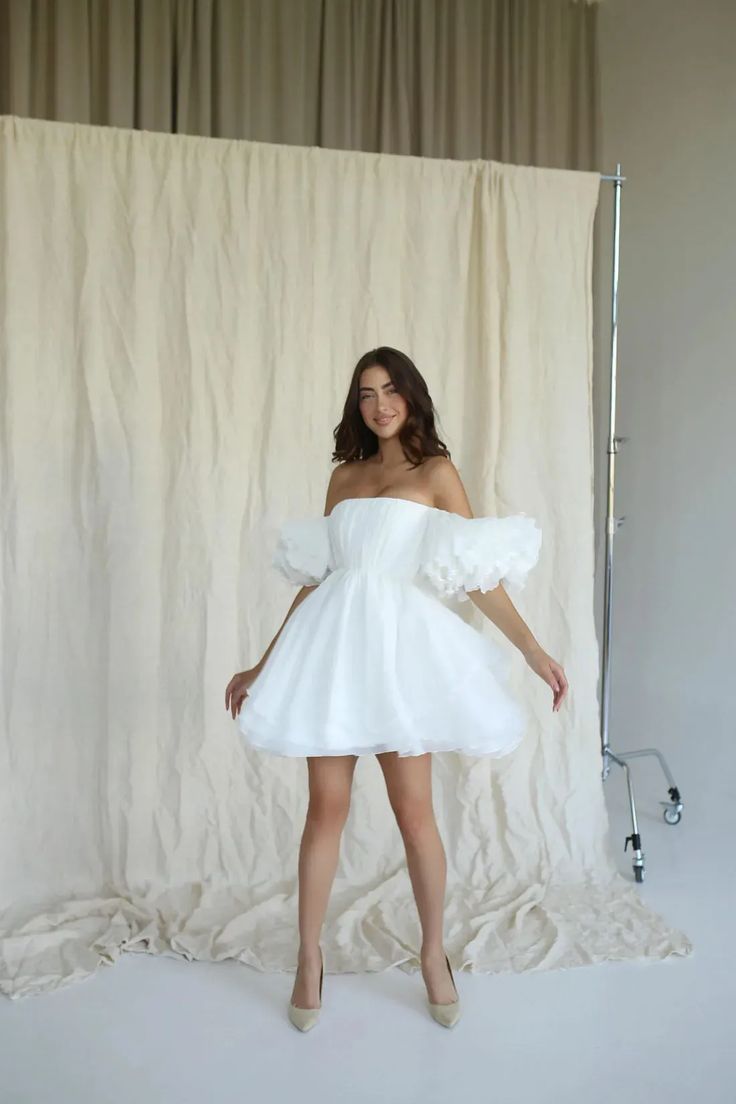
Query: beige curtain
[(514, 80), (180, 316)]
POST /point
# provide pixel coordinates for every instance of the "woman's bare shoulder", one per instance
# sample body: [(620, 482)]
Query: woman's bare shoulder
[(446, 486), (340, 483)]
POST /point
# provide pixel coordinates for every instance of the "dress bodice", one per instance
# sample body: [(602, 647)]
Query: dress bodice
[(373, 534)]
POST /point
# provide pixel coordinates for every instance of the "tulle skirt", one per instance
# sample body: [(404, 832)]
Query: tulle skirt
[(367, 663)]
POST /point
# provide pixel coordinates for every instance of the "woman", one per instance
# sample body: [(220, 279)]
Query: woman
[(375, 663)]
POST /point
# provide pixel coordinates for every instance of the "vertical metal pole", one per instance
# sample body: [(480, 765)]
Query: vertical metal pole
[(611, 521)]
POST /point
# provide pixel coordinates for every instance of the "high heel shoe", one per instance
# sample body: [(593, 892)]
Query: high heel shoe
[(304, 1018), (446, 1014)]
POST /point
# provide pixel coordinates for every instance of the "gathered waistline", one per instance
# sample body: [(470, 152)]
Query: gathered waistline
[(373, 569)]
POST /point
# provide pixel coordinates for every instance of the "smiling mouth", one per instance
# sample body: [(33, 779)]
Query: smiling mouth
[(385, 421)]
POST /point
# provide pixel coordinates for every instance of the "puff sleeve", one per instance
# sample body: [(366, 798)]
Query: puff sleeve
[(461, 554), (302, 552)]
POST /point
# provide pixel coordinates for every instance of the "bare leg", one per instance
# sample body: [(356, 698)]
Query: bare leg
[(409, 786), (330, 783)]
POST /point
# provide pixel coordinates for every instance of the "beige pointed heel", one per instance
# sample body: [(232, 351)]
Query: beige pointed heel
[(306, 1018), (446, 1014)]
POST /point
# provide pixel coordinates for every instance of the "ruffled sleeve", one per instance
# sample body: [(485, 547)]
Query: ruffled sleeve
[(461, 554), (302, 553)]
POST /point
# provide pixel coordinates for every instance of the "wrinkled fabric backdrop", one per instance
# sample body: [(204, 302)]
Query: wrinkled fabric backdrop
[(180, 318)]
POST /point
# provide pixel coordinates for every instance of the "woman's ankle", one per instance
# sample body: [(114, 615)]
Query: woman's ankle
[(309, 952)]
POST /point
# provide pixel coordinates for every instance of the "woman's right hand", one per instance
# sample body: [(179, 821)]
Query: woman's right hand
[(237, 689)]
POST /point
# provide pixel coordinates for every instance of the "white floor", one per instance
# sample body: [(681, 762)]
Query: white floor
[(162, 1031)]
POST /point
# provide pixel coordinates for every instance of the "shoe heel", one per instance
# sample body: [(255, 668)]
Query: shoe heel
[(446, 1014), (306, 1018)]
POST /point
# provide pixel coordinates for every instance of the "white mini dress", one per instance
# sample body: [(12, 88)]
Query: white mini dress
[(374, 659)]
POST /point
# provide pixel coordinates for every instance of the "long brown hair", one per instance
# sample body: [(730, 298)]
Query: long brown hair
[(418, 436)]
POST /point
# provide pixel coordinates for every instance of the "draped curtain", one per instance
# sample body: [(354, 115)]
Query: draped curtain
[(180, 316), (512, 80)]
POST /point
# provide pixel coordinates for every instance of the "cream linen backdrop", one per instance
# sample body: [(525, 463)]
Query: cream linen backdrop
[(180, 317)]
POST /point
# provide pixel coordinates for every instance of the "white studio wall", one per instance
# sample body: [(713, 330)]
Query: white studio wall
[(180, 317)]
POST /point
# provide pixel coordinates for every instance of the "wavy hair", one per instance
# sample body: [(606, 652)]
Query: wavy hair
[(353, 438)]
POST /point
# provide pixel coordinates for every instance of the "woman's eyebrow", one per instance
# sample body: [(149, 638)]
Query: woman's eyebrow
[(390, 383)]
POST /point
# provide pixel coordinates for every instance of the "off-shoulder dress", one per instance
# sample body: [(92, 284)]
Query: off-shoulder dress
[(375, 659)]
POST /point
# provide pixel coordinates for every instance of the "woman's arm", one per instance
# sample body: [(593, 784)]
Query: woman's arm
[(498, 608), (449, 494), (333, 494), (236, 690), (301, 595)]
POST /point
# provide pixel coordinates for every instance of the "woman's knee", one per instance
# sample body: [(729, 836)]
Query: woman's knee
[(328, 810), (414, 816)]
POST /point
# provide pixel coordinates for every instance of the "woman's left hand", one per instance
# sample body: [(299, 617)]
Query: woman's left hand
[(549, 670)]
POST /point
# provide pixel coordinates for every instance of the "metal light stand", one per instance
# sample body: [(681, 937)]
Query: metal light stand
[(673, 807)]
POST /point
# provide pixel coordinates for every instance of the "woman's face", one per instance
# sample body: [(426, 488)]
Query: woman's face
[(384, 410)]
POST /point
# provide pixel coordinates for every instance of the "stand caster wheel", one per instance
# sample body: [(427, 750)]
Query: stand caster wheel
[(672, 816)]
